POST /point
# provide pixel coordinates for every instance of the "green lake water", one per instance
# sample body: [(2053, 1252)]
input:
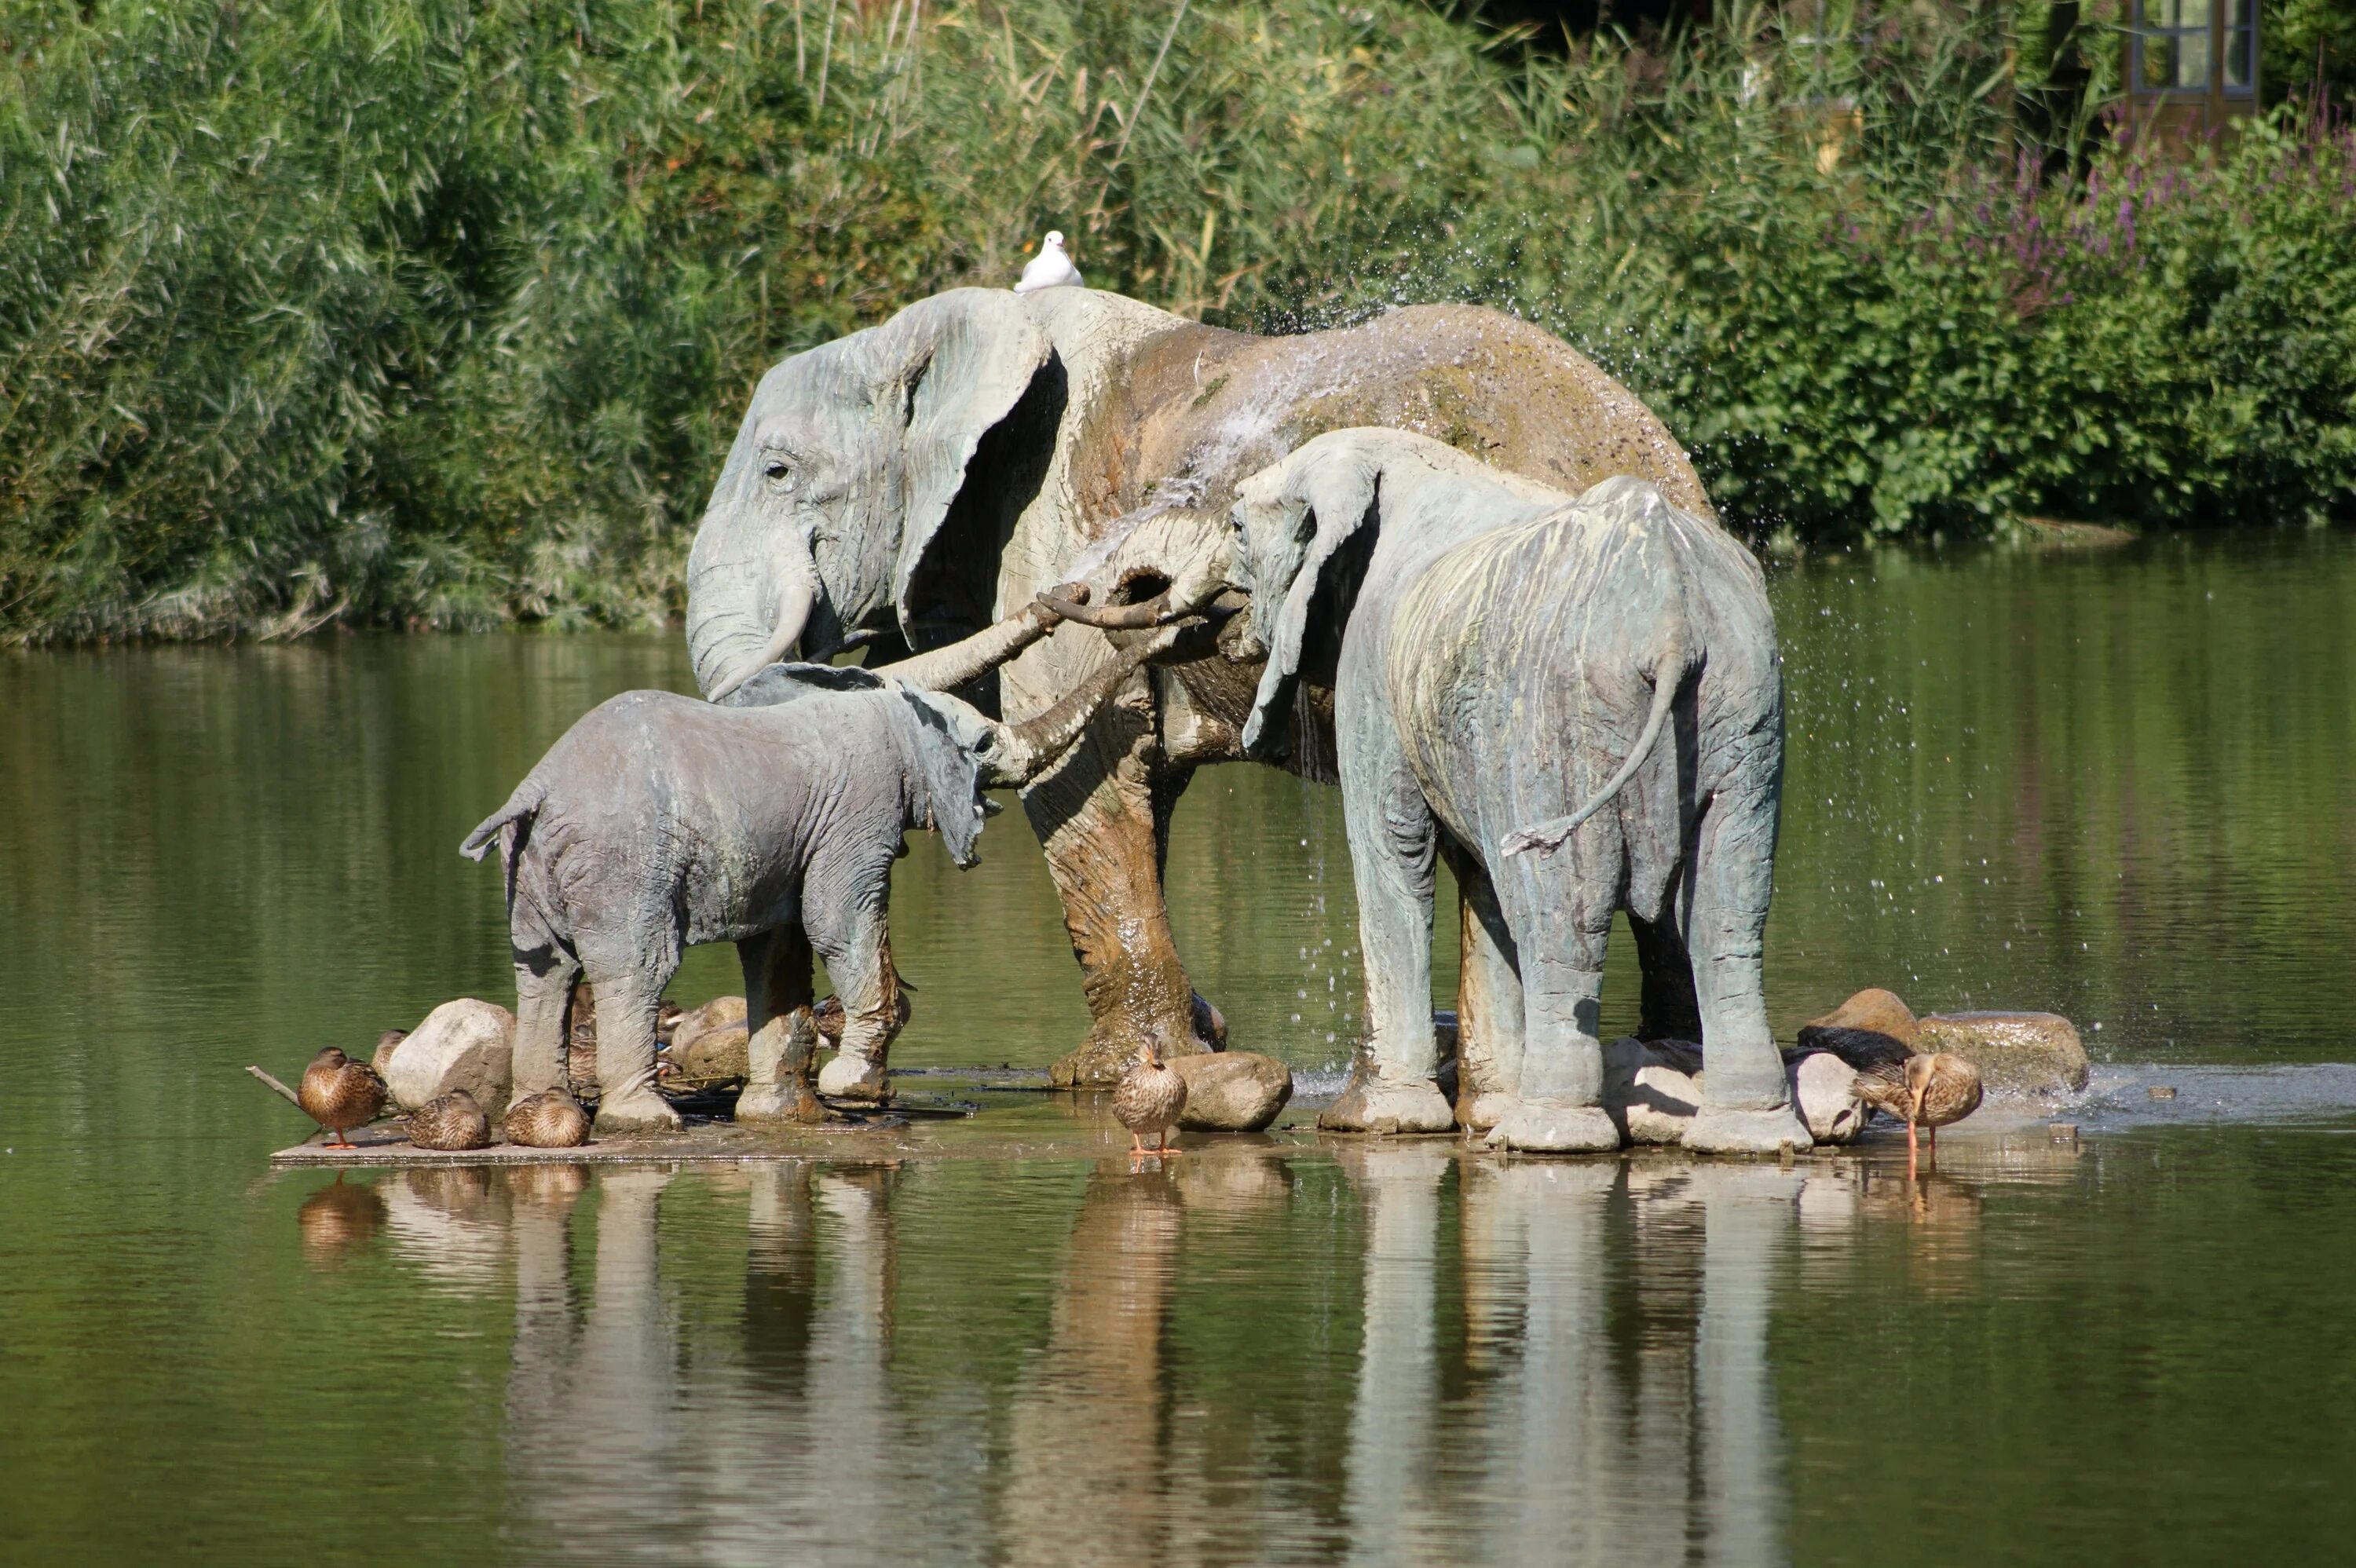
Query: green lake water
[(2116, 785)]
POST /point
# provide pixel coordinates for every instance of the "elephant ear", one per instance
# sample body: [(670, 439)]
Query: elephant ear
[(951, 737), (960, 362), (1344, 495), (780, 683)]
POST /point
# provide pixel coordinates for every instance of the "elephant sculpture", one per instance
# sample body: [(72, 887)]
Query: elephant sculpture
[(659, 821), (906, 483), (1581, 701)]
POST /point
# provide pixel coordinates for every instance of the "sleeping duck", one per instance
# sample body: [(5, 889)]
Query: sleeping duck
[(550, 1119), (339, 1095), (450, 1122)]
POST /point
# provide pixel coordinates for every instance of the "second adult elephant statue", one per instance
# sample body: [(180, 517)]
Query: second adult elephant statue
[(910, 482), (1578, 699)]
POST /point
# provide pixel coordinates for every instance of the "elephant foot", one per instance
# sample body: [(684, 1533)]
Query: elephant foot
[(848, 1077), (1718, 1130), (779, 1102), (1110, 1052), (1481, 1110), (1370, 1105), (643, 1111), (1543, 1127)]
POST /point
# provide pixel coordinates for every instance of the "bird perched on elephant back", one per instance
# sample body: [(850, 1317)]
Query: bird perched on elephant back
[(660, 821), (1578, 700), (908, 482)]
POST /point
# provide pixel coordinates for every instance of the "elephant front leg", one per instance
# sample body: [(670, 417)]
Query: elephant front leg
[(782, 1037), (1392, 844), (859, 958), (1746, 1105), (1102, 817)]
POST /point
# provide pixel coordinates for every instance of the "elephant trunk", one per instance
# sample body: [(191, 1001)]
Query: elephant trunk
[(744, 614), (1026, 750), (946, 669)]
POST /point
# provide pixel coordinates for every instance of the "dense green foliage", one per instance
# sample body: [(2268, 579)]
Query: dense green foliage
[(442, 311)]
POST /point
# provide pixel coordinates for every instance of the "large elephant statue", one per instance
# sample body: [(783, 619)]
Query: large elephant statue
[(1581, 699), (907, 484), (657, 822)]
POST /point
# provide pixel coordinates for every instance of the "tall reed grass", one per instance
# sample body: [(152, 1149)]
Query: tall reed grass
[(441, 312)]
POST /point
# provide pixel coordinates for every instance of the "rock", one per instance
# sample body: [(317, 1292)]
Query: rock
[(1232, 1090), (466, 1044), (1870, 1027), (1651, 1088), (2160, 1092), (709, 1041), (2017, 1053), (1823, 1089)]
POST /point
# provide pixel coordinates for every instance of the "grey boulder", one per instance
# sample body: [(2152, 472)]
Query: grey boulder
[(1232, 1090), (1824, 1088), (466, 1044), (1651, 1090), (2017, 1053)]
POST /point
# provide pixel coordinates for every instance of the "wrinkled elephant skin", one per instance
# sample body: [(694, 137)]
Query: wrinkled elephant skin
[(659, 821), (1580, 699), (909, 483)]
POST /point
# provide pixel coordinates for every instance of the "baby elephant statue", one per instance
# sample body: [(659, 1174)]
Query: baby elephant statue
[(1578, 700), (660, 821)]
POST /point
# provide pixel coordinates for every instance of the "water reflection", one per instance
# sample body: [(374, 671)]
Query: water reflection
[(338, 1221), (1567, 1361)]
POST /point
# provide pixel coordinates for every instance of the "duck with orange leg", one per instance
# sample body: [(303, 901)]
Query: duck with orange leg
[(1929, 1090), (1150, 1098), (339, 1095)]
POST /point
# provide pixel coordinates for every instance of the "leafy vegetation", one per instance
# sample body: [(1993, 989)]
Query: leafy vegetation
[(441, 312)]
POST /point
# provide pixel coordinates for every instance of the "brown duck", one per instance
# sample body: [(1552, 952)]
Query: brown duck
[(1148, 1099), (453, 1122), (340, 1093), (1929, 1090), (550, 1119)]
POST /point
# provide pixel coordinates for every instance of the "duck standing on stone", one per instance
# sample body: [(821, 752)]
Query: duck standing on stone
[(1051, 268), (1928, 1090), (1148, 1099), (340, 1093)]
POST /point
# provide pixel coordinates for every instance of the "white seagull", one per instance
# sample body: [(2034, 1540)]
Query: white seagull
[(1051, 268)]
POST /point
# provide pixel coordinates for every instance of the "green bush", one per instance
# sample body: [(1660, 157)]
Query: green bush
[(424, 311)]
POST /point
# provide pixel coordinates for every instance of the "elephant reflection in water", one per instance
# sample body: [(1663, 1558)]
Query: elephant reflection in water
[(1574, 1444), (623, 1428)]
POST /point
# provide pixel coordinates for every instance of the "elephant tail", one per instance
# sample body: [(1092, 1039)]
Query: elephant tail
[(1547, 837), (520, 808)]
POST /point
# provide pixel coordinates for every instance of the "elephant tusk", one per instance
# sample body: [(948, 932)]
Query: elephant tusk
[(1155, 611)]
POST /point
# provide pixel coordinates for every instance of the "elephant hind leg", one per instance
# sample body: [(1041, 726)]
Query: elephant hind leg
[(545, 977), (1561, 907), (630, 984), (782, 1036), (1746, 1097)]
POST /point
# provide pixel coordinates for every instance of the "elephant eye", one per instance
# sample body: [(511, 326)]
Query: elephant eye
[(779, 471)]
